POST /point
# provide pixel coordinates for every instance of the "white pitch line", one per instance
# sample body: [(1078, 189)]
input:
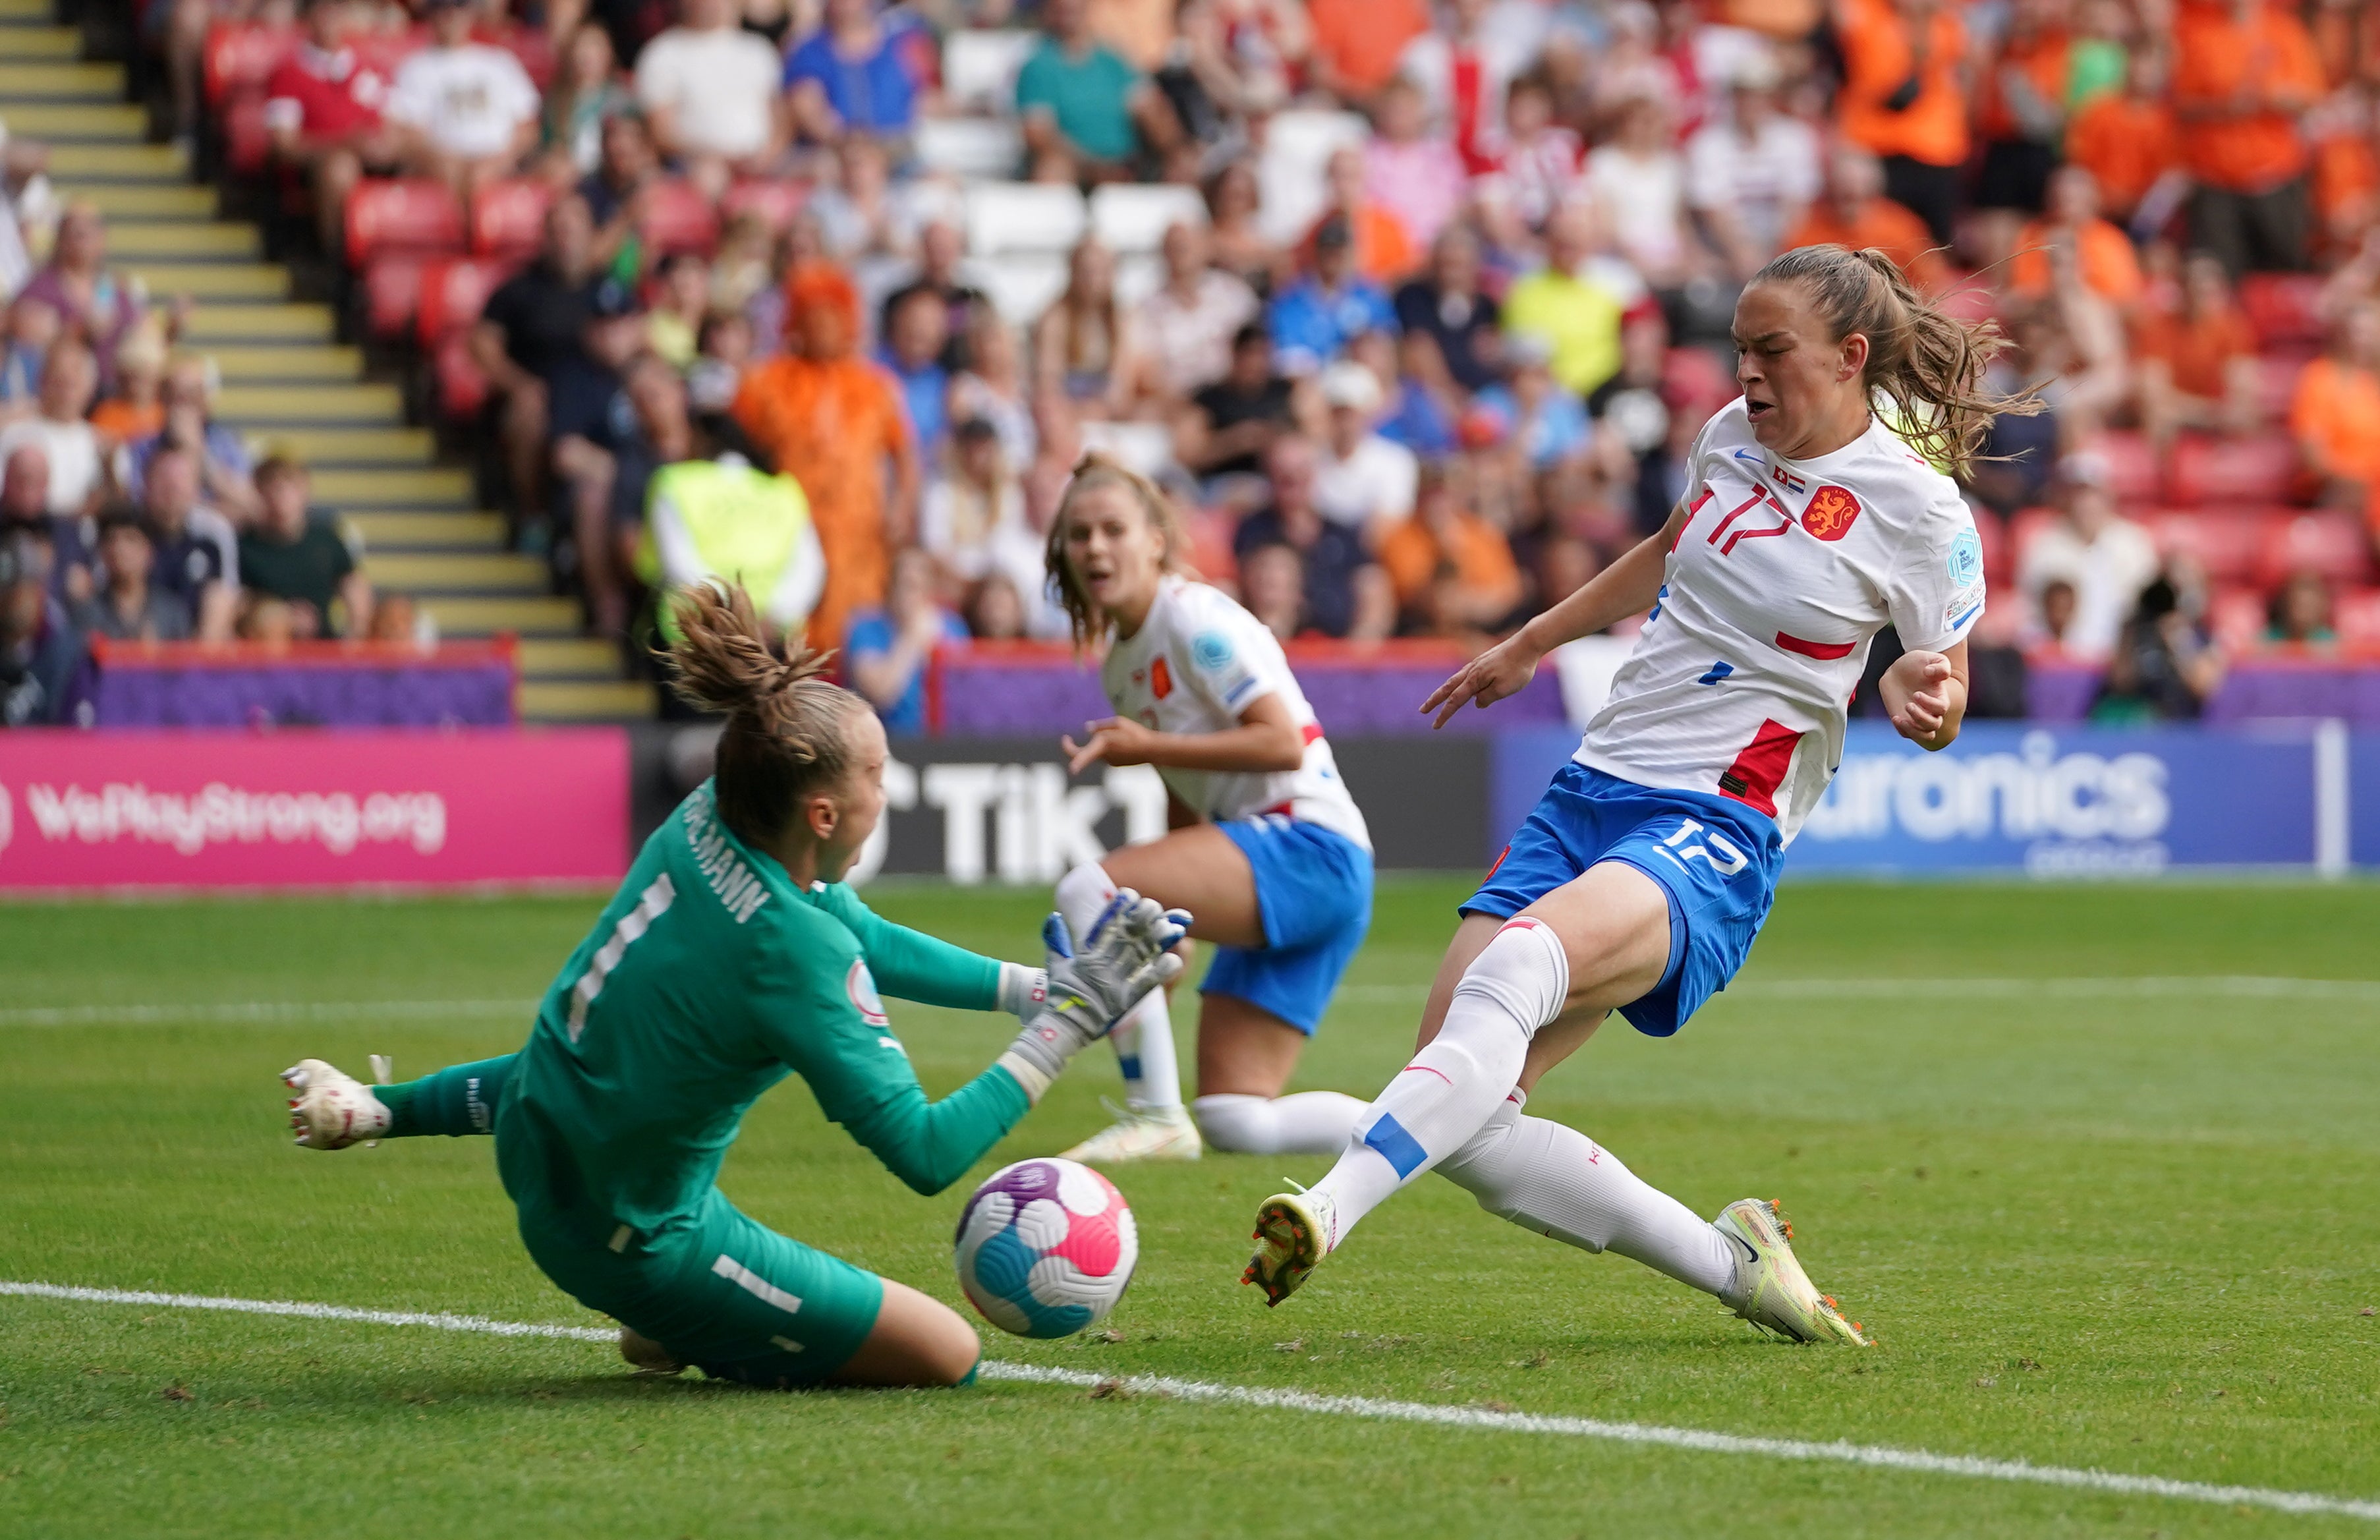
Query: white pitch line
[(1468, 1418)]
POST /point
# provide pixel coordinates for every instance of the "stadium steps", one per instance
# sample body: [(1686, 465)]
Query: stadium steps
[(290, 386)]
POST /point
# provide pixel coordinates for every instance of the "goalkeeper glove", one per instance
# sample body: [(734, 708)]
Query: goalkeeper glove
[(1127, 952)]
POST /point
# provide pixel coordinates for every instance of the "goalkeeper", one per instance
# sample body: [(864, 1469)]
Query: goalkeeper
[(733, 956)]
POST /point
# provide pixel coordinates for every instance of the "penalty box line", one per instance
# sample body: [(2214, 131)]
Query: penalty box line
[(1465, 1418)]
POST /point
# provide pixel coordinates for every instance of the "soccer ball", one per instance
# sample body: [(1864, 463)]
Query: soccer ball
[(1045, 1247)]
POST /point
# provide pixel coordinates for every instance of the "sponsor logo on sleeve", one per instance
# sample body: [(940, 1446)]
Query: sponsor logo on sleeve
[(1967, 559), (1830, 513), (860, 985), (1212, 650)]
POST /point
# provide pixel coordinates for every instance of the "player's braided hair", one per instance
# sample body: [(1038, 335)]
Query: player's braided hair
[(1928, 363), (788, 730), (1096, 469)]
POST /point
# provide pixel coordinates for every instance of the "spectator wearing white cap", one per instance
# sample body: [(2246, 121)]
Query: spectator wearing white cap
[(2105, 558), (1361, 479), (1751, 176)]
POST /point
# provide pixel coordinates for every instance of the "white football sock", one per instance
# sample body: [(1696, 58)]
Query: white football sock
[(1144, 1039), (1310, 1122), (1553, 1178), (1515, 986)]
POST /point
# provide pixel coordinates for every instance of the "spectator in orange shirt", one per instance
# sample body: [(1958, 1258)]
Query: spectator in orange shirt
[(1384, 251), (2198, 364), (2130, 141), (835, 422), (2022, 112), (1453, 570), (1356, 43), (1904, 99), (2346, 168), (2335, 417), (1855, 214), (2103, 255), (2245, 70)]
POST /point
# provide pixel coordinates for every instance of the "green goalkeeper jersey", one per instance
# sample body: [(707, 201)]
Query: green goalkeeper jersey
[(708, 978)]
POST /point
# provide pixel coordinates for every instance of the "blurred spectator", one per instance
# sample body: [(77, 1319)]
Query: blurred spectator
[(1357, 43), (858, 211), (1752, 174), (710, 513), (625, 163), (33, 328), (858, 72), (917, 332), (295, 553), (1463, 74), (667, 430), (1229, 425), (942, 272), (1413, 176), (1185, 329), (2198, 364), (831, 420), (323, 105), (2130, 142), (2299, 612), (2165, 664), (135, 408), (1854, 213), (196, 553), (1425, 401), (742, 266), (1236, 240), (1549, 424), (1083, 103), (223, 461), (66, 440), (1535, 160), (2021, 113), (2335, 418), (1903, 102), (56, 550), (1272, 586), (585, 91), (1082, 351), (709, 89), (1361, 479), (2106, 558), (1639, 181), (1452, 570), (681, 299), (270, 623), (1347, 595), (40, 651), (2102, 255), (1446, 302), (1996, 670), (127, 607), (531, 344), (1313, 319), (1230, 60), (1384, 248), (465, 113), (992, 386), (101, 307), (995, 611), (396, 622), (2054, 609), (2244, 70), (975, 525), (1574, 306), (2345, 143), (886, 648)]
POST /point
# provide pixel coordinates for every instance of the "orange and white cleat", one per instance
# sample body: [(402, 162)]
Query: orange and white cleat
[(1770, 1288)]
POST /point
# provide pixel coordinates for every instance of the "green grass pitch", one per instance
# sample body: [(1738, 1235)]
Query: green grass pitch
[(2097, 1224)]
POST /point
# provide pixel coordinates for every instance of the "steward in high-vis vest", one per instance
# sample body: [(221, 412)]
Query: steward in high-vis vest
[(724, 519)]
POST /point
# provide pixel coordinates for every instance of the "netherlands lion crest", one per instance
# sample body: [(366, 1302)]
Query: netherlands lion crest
[(1830, 513)]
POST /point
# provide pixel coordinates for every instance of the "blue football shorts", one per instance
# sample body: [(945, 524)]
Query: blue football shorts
[(1714, 858), (1314, 891)]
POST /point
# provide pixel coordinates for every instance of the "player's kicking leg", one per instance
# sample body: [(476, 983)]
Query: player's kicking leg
[(1152, 1124)]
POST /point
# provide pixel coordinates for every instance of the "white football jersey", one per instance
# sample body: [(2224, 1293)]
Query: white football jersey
[(1742, 680), (1195, 666)]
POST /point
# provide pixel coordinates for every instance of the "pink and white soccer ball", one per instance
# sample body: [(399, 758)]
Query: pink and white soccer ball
[(1045, 1247)]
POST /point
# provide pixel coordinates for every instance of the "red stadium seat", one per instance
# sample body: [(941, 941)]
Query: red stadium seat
[(508, 217), (462, 389), (392, 295), (248, 144), (678, 218), (2131, 466), (776, 202), (2238, 619), (1999, 550), (2276, 384), (2023, 530), (454, 292), (411, 215), (239, 56), (2258, 471), (2332, 544), (2355, 615), (2228, 545), (385, 51), (2282, 307)]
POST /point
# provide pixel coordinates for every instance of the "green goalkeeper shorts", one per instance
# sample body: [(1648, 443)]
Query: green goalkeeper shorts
[(720, 1291)]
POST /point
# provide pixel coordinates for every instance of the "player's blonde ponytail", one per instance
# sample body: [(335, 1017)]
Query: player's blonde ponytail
[(1096, 469), (788, 731), (1929, 364)]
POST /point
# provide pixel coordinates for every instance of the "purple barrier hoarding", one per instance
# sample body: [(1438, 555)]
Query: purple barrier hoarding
[(2063, 692), (998, 691), (316, 685)]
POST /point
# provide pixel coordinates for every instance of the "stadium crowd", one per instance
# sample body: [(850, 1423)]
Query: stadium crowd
[(1416, 310)]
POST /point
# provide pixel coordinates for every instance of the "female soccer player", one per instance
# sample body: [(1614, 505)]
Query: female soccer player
[(1270, 852), (733, 956), (1808, 523)]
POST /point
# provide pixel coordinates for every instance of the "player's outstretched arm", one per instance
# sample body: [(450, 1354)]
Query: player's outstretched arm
[(331, 1110), (1627, 587), (910, 965)]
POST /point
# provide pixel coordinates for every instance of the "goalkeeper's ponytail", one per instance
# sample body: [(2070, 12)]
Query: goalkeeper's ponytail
[(788, 731)]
